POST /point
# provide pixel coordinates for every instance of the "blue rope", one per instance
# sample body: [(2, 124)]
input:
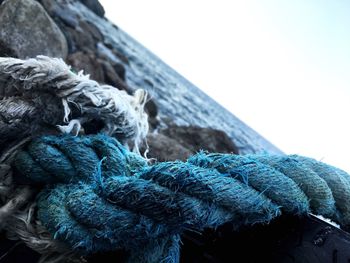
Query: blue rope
[(98, 196)]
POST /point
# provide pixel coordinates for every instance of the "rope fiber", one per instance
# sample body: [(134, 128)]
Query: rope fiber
[(41, 94), (95, 195)]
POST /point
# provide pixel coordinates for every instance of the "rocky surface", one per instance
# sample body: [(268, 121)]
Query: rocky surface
[(27, 31), (6, 50), (87, 50), (197, 138), (164, 148), (94, 6), (180, 142)]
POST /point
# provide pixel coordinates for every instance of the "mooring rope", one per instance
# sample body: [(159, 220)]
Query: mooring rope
[(41, 96), (98, 196), (38, 95), (67, 196)]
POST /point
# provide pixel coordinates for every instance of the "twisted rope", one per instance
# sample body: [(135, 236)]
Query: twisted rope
[(39, 94), (98, 196)]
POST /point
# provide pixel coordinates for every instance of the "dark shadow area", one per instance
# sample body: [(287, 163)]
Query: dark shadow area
[(286, 240)]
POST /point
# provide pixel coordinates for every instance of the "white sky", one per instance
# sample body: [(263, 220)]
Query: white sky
[(280, 66)]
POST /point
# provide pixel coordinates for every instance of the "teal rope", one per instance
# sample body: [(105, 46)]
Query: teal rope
[(98, 196)]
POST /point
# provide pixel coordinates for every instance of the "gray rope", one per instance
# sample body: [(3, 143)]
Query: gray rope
[(43, 92)]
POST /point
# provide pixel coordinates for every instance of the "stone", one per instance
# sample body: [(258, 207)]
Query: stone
[(92, 30), (98, 69), (120, 70), (111, 77), (151, 109), (197, 138), (81, 35), (28, 30), (94, 6), (6, 51), (163, 148), (180, 142), (117, 54), (65, 17), (87, 62), (79, 39), (106, 53), (60, 13)]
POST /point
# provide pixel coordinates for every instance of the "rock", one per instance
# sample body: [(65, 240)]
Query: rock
[(180, 142), (94, 6), (105, 53), (163, 148), (197, 138), (58, 11), (111, 77), (92, 30), (118, 54), (79, 39), (66, 20), (100, 70), (28, 30), (81, 35), (120, 70), (87, 62), (151, 109), (6, 51)]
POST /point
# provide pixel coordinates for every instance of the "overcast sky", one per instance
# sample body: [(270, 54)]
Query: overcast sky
[(283, 67)]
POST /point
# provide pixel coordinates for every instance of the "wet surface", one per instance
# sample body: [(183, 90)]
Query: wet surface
[(286, 240)]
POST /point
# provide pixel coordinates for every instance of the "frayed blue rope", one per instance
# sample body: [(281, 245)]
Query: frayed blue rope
[(98, 196)]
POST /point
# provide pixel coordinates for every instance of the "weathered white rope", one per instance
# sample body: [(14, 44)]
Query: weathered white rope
[(47, 87)]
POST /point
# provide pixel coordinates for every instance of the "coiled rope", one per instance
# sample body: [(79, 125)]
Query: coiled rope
[(98, 196)]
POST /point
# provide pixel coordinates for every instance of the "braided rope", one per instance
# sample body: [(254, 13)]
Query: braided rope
[(98, 196)]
